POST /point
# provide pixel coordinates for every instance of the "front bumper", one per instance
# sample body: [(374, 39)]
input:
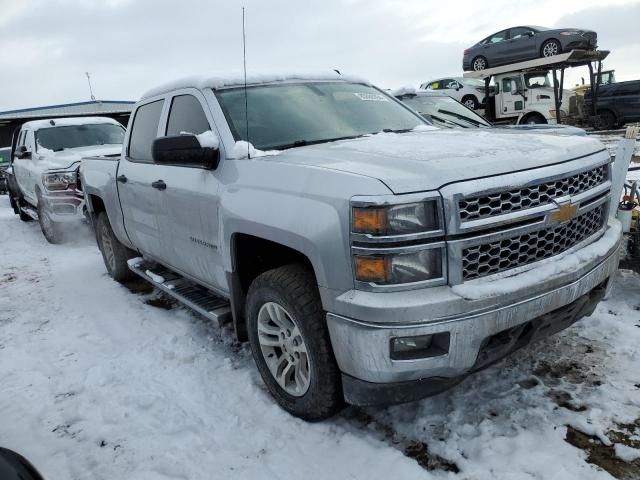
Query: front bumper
[(65, 206), (362, 343), (579, 42)]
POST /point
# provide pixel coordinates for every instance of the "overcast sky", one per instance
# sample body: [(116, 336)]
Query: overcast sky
[(129, 46)]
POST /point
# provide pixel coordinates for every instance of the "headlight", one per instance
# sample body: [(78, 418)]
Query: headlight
[(396, 219), (59, 181), (399, 268), (570, 32)]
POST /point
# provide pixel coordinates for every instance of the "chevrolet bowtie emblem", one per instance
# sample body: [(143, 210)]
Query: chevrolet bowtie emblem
[(564, 213)]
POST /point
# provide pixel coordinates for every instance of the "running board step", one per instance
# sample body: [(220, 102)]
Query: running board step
[(183, 290), (32, 212)]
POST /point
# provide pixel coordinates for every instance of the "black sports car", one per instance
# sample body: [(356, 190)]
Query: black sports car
[(517, 44)]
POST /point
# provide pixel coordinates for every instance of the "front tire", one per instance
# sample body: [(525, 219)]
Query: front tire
[(550, 48), (470, 102), (114, 253), (290, 343), (51, 230)]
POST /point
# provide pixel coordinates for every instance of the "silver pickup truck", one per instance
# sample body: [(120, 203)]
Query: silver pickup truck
[(367, 256)]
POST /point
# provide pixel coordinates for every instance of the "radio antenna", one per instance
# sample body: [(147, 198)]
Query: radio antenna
[(90, 89), (246, 100)]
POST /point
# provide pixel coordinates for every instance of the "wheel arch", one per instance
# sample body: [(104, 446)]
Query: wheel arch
[(534, 113), (470, 95), (609, 110), (251, 256)]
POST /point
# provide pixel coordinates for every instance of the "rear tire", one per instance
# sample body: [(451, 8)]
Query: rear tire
[(606, 120), (289, 336), (17, 201), (479, 63), (550, 48), (51, 230), (470, 101), (114, 253), (13, 204), (23, 216)]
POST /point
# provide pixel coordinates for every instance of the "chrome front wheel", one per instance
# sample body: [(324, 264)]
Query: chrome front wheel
[(283, 349), (550, 48), (290, 342)]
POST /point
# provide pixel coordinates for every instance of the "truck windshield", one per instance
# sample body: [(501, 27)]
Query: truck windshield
[(472, 82), (537, 80), (74, 136), (445, 111), (296, 114)]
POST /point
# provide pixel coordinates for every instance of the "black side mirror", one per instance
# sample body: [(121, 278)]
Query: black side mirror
[(23, 152), (184, 150)]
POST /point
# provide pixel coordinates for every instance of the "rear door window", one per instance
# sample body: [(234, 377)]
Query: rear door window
[(144, 131), (449, 84), (186, 116), (498, 37)]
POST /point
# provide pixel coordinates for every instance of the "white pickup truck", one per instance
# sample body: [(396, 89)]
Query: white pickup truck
[(46, 154)]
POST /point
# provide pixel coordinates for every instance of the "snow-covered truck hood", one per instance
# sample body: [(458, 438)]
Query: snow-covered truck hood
[(69, 158), (419, 161)]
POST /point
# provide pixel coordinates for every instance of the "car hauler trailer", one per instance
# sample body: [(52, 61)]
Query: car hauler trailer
[(512, 103)]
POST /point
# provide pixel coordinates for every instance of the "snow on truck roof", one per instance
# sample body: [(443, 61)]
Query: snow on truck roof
[(66, 122), (235, 80)]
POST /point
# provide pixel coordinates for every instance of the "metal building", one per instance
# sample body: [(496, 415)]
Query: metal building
[(9, 120)]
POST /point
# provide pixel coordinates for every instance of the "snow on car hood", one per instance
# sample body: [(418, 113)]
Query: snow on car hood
[(66, 159), (419, 161)]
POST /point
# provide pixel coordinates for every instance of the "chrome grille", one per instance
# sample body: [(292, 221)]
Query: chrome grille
[(500, 255), (485, 206)]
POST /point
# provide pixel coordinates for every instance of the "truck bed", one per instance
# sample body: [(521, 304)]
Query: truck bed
[(98, 179)]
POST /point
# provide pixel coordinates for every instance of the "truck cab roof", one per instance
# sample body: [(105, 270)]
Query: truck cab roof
[(66, 122), (235, 80)]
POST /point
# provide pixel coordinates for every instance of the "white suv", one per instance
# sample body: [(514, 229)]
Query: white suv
[(468, 91)]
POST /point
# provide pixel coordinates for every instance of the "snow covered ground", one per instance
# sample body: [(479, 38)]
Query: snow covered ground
[(97, 381)]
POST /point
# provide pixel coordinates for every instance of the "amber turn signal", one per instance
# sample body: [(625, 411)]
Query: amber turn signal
[(369, 220), (372, 269)]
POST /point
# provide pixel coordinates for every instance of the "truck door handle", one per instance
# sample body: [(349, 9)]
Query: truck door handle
[(122, 178), (159, 184)]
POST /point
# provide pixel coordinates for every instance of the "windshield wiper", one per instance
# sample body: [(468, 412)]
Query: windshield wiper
[(461, 117), (399, 130), (304, 143), (447, 121), (58, 149)]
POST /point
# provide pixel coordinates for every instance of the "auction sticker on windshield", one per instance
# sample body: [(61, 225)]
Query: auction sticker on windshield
[(371, 97)]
